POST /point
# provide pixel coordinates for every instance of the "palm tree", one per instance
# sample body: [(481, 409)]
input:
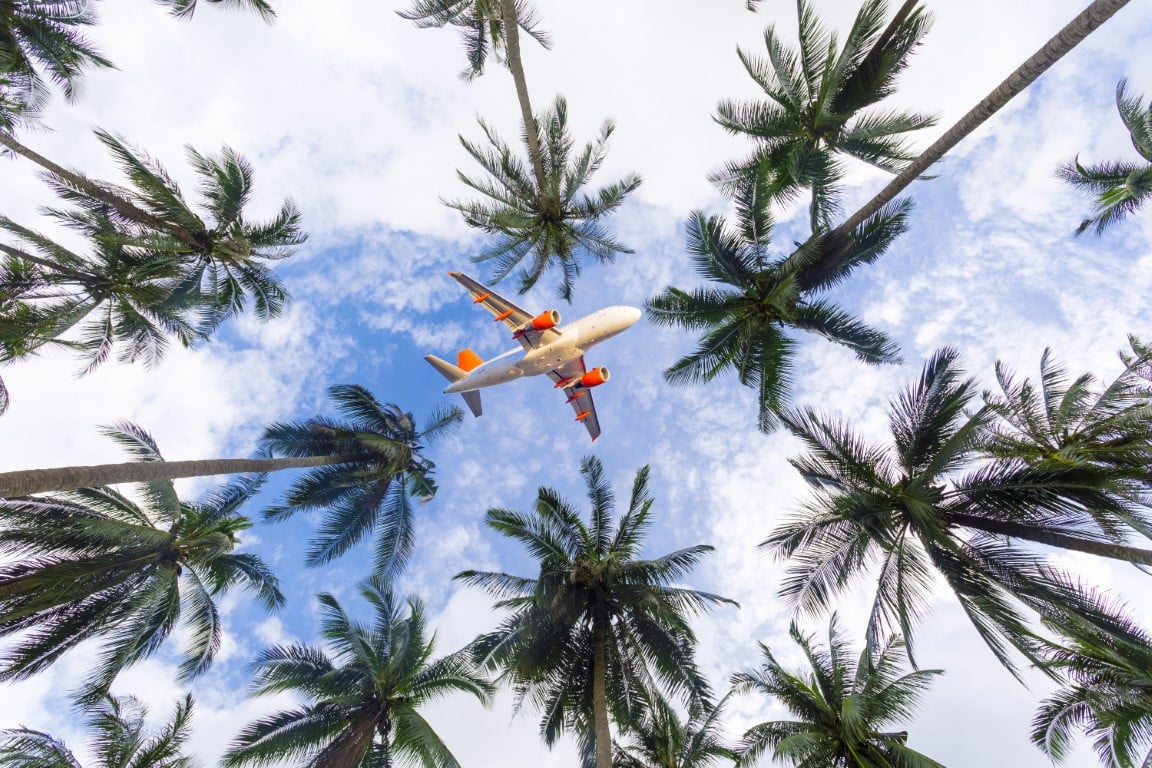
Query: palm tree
[(222, 257), (746, 322), (363, 700), (380, 467), (840, 707), (1098, 12), (661, 740), (819, 97), (124, 296), (43, 37), (184, 9), (93, 563), (1120, 187), (589, 636), (551, 223), (367, 468), (1101, 439), (1107, 693), (909, 508), (121, 740)]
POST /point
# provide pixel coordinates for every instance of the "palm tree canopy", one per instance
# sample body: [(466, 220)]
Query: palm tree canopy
[(121, 739), (840, 706), (115, 296), (661, 739), (1120, 187), (93, 563), (370, 491), (817, 100), (44, 37), (1107, 691), (746, 318), (557, 226), (481, 25), (363, 694), (909, 510), (591, 585), (184, 9)]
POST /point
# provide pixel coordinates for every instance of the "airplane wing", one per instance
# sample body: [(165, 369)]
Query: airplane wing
[(513, 317), (580, 397)]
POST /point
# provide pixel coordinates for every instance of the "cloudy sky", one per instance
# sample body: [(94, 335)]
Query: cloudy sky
[(354, 114)]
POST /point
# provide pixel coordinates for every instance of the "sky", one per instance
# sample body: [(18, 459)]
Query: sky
[(354, 114)]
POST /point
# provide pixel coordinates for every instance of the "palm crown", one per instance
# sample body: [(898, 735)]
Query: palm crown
[(840, 706), (554, 225), (661, 739), (746, 321), (481, 24), (92, 563), (1121, 187), (818, 95), (598, 626), (122, 740), (363, 700), (908, 507), (370, 490)]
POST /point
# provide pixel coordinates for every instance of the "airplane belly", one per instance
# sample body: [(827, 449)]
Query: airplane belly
[(565, 349), (489, 375)]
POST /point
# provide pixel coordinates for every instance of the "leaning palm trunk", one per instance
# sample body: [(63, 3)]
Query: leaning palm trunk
[(1053, 539), (516, 66), (28, 481), (1052, 51), (89, 187)]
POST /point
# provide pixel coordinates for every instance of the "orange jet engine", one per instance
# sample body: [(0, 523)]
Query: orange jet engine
[(542, 322), (595, 377)]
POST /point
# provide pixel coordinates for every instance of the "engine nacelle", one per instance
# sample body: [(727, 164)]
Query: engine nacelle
[(595, 377), (545, 320)]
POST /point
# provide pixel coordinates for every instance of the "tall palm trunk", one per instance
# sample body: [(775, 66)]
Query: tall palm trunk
[(1052, 539), (1052, 51), (516, 65), (600, 693), (119, 204), (27, 481)]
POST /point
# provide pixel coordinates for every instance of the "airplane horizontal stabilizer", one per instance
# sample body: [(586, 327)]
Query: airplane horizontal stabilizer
[(454, 373), (472, 398)]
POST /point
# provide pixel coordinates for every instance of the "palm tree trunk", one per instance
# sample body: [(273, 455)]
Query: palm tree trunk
[(119, 204), (28, 481), (600, 693), (516, 66), (1052, 51), (1053, 539)]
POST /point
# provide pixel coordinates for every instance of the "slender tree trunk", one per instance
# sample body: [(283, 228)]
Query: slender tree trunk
[(600, 693), (1052, 51), (386, 736), (119, 204), (516, 65), (28, 481), (1052, 539)]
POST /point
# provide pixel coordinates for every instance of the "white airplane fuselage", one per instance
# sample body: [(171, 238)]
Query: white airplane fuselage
[(574, 341)]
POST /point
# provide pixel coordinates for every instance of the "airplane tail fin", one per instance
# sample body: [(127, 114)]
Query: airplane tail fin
[(467, 360), (455, 373)]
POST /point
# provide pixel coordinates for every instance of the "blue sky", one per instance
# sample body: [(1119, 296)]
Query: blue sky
[(355, 114)]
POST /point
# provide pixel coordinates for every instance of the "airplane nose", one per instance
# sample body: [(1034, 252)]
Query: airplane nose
[(632, 315)]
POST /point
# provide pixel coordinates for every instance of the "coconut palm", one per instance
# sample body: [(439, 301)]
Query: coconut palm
[(363, 695), (121, 296), (818, 103), (380, 467), (482, 27), (1107, 693), (590, 636), (92, 563), (185, 8), (223, 256), (121, 740), (1088, 20), (660, 739), (552, 224), (909, 510), (1101, 437), (369, 458), (840, 706), (746, 320), (41, 38), (1121, 187)]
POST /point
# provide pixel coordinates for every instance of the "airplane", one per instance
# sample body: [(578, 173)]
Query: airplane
[(547, 349)]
